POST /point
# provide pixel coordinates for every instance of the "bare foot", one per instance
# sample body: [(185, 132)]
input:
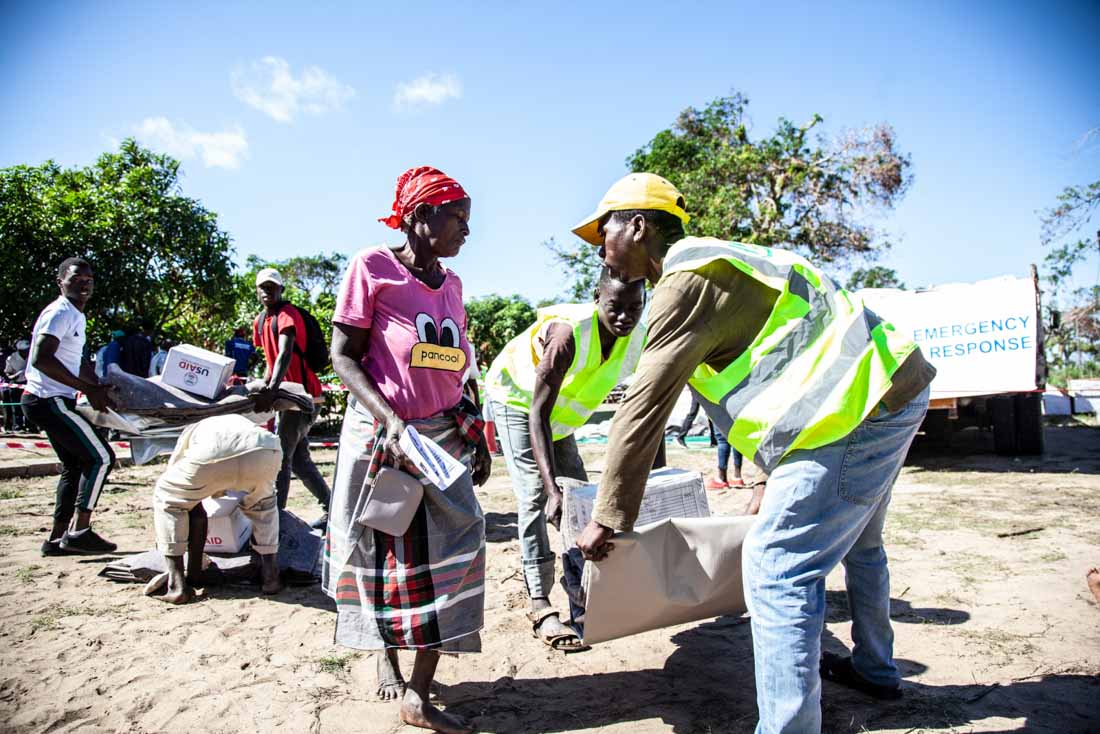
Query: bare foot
[(420, 713), (161, 587), (391, 686), (186, 595), (1093, 578)]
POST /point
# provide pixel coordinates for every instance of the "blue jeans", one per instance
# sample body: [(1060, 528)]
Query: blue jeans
[(724, 451), (534, 540), (822, 507)]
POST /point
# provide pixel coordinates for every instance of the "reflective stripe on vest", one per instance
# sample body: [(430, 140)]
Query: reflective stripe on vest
[(511, 379), (817, 368)]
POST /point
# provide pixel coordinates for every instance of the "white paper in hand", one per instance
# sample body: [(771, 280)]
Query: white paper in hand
[(440, 468)]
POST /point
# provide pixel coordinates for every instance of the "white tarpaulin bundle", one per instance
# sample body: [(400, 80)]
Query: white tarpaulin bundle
[(671, 572), (981, 337)]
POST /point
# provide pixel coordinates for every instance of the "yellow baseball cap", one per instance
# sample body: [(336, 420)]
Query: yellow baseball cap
[(633, 191)]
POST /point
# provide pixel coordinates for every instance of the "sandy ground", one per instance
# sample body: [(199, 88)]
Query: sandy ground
[(995, 629)]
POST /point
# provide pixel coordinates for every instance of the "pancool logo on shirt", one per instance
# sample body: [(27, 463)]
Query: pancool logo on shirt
[(438, 348)]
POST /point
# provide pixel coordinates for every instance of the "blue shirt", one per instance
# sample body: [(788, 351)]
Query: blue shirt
[(241, 350)]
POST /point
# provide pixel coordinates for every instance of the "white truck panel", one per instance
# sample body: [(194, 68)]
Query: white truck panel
[(982, 337)]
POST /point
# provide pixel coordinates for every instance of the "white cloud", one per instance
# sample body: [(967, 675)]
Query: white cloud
[(429, 89), (269, 86), (216, 149)]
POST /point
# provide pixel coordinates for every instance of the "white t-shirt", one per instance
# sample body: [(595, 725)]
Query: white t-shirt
[(15, 367), (66, 322)]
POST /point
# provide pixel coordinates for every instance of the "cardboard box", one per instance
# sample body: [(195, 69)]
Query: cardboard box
[(669, 492), (228, 529), (197, 370)]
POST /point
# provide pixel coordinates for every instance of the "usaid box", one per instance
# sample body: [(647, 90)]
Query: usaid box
[(197, 370), (227, 528)]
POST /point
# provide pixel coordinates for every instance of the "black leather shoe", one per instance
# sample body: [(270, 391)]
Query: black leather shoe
[(839, 669), (53, 548), (87, 542)]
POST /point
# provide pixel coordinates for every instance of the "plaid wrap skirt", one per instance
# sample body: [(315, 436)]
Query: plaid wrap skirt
[(421, 590)]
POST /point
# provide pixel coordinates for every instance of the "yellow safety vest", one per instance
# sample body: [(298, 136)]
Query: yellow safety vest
[(511, 378), (819, 366)]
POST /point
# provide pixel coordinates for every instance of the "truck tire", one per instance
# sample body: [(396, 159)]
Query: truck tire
[(937, 427), (1002, 411), (1029, 423)]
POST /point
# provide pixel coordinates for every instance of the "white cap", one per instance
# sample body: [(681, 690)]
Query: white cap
[(22, 344), (269, 275)]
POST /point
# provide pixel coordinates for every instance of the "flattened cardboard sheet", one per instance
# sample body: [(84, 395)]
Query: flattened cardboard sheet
[(671, 572)]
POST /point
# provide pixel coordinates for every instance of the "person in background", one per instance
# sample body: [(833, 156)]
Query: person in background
[(399, 345), (281, 331), (110, 353), (721, 479), (56, 371), (680, 434), (239, 348), (15, 367), (137, 350), (156, 364)]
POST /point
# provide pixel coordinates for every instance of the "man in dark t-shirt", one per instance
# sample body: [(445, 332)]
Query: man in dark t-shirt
[(240, 349)]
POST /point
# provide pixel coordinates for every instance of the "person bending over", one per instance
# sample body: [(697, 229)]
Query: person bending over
[(212, 456), (809, 384), (542, 387)]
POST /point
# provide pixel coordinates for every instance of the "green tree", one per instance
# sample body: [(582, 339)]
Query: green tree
[(311, 273), (492, 321), (581, 265), (309, 281), (157, 254), (782, 190), (1073, 337), (875, 276)]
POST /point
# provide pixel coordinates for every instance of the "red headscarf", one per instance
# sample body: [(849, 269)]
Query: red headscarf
[(422, 185)]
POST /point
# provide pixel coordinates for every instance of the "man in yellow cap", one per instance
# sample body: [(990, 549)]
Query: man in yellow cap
[(809, 384)]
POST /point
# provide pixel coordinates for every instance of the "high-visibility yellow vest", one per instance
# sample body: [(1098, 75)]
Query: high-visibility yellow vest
[(511, 378), (818, 367)]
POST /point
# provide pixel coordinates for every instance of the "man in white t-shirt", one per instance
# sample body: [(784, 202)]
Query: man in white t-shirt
[(56, 371)]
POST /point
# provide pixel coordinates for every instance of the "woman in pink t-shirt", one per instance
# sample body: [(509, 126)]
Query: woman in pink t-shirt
[(399, 345)]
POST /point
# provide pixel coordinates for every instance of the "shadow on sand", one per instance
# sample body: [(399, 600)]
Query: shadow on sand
[(707, 685)]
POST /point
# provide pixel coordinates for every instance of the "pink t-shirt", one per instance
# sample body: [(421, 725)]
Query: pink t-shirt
[(417, 353)]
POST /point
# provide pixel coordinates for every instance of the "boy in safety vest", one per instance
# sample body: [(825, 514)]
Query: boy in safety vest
[(542, 387), (806, 382)]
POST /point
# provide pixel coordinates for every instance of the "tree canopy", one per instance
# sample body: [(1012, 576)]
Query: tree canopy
[(1076, 330), (792, 189), (875, 276), (787, 189), (492, 321), (158, 255)]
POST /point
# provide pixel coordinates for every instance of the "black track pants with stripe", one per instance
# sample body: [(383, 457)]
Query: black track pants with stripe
[(86, 459)]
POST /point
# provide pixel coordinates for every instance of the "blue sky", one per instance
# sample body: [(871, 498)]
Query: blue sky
[(293, 122)]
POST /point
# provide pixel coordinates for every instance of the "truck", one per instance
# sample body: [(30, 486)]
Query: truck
[(985, 340)]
